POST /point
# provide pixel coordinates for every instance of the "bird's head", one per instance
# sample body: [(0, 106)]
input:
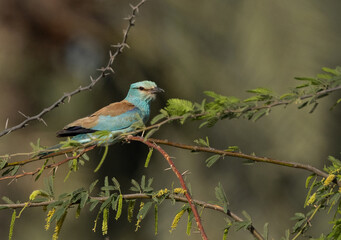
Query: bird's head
[(143, 91)]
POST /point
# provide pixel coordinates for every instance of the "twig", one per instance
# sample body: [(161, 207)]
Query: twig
[(177, 198), (243, 156), (48, 166), (179, 176), (103, 72)]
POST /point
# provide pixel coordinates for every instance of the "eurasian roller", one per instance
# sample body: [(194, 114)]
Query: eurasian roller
[(116, 118)]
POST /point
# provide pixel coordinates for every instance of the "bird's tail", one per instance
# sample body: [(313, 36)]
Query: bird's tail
[(49, 150)]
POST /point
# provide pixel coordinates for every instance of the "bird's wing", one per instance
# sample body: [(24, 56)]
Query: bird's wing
[(115, 116)]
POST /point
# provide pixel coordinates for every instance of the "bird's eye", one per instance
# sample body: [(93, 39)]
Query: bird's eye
[(141, 88)]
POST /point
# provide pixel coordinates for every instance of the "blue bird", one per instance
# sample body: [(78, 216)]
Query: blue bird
[(117, 118)]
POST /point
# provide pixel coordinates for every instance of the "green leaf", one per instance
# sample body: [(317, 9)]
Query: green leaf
[(189, 222), (143, 182), (259, 114), (211, 160), (232, 149), (15, 170), (287, 96), (266, 231), (308, 180), (144, 210), (14, 214), (92, 185), (156, 219), (106, 203), (148, 157), (103, 158), (136, 187), (150, 181), (117, 184), (3, 162), (221, 196), (119, 207), (260, 91), (7, 200), (332, 71), (303, 105), (131, 206), (150, 133), (41, 169), (85, 157), (178, 107), (202, 142), (48, 183), (93, 205), (84, 199), (108, 188), (106, 184), (157, 118), (253, 99), (59, 213)]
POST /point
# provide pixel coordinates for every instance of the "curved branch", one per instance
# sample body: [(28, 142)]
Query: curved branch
[(244, 156), (179, 176), (104, 71), (177, 198)]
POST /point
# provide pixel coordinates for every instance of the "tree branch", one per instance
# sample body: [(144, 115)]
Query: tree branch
[(179, 176), (104, 71), (244, 156), (177, 198)]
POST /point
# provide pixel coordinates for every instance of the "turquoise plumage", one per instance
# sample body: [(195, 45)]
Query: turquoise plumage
[(117, 118)]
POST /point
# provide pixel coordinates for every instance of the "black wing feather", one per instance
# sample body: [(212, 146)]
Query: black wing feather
[(73, 131)]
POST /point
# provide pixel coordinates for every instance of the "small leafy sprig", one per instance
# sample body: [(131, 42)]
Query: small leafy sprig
[(256, 106), (322, 195)]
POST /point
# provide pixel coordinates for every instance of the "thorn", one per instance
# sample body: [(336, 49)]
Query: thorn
[(186, 172), (91, 79), (167, 169), (102, 69), (112, 70), (125, 45), (11, 181), (118, 45), (6, 124), (132, 6), (23, 114), (110, 54), (42, 120)]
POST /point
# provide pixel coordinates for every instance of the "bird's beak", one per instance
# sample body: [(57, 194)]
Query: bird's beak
[(156, 90)]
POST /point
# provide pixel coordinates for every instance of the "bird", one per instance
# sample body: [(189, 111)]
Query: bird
[(117, 118)]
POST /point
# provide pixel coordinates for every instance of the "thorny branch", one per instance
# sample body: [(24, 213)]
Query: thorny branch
[(132, 196), (179, 176), (104, 71), (55, 165)]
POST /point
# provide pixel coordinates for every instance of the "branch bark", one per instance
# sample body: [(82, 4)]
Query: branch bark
[(177, 198)]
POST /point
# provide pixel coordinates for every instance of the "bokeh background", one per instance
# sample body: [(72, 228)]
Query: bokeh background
[(186, 47)]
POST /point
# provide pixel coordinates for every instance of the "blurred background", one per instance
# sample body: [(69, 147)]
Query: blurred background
[(186, 47)]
